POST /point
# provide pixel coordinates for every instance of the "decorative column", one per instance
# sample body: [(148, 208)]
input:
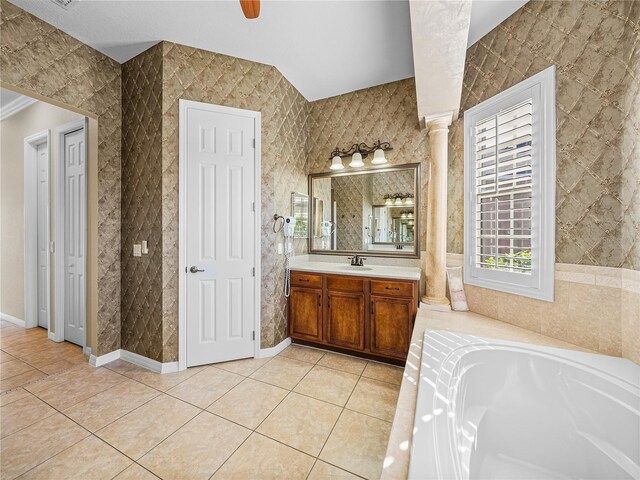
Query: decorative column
[(436, 253)]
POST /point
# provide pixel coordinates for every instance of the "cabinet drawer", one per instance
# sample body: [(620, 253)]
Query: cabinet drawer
[(345, 283), (306, 280), (394, 289)]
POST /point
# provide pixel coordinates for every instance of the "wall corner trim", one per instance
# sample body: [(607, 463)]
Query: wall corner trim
[(273, 351), (134, 358), (11, 319)]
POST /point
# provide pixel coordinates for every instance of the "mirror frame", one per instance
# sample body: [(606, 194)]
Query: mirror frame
[(416, 167)]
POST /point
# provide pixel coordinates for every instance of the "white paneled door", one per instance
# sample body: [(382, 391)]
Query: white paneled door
[(220, 157), (74, 236), (42, 168)]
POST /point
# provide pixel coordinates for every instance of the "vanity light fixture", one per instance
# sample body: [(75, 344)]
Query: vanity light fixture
[(359, 151), (388, 200), (399, 201), (336, 163), (409, 199)]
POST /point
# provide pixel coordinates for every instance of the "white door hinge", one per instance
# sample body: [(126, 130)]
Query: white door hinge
[(253, 271), (254, 335), (253, 206), (253, 143)]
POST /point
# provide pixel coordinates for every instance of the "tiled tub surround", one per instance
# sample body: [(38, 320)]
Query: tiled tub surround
[(396, 464), (304, 414), (597, 308)]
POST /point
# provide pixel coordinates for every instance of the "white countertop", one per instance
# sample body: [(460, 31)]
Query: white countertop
[(302, 263)]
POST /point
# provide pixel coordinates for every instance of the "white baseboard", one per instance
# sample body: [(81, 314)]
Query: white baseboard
[(104, 359), (134, 358), (12, 319), (273, 351), (87, 351), (148, 363)]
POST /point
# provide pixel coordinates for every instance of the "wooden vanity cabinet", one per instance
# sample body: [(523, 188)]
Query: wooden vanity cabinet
[(358, 314), (305, 305)]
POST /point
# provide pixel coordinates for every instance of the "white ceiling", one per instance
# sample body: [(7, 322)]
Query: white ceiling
[(324, 48)]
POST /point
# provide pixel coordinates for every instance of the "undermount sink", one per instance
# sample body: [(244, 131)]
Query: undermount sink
[(356, 267)]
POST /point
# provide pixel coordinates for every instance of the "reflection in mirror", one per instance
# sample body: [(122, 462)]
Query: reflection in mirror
[(369, 212), (300, 211)]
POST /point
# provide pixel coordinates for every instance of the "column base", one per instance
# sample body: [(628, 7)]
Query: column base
[(440, 304)]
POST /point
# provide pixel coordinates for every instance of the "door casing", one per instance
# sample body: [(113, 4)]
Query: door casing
[(31, 144), (58, 335), (182, 224)]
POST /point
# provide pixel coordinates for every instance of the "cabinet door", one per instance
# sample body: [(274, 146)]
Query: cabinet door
[(391, 325), (305, 313), (345, 319)]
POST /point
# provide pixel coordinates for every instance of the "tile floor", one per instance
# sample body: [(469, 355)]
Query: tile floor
[(306, 414)]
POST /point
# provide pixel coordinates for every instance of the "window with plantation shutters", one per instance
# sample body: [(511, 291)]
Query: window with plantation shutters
[(510, 189)]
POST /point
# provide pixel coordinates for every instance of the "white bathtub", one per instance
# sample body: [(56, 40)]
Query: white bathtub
[(494, 409)]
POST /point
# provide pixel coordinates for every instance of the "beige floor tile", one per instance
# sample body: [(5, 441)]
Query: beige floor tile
[(301, 422), (248, 403), (89, 458), (358, 444), (304, 354), (375, 398), (5, 357), (205, 387), (65, 364), (243, 367), (100, 410), (197, 450), (324, 471), (13, 368), (21, 380), (139, 431), (74, 386), (383, 372), (265, 459), (282, 372), (343, 362), (18, 415), (135, 472), (13, 396), (327, 384), (162, 382), (33, 445)]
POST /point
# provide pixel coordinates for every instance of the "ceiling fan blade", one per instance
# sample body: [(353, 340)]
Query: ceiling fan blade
[(250, 8)]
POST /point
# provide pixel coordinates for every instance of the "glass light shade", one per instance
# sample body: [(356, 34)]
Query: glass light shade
[(378, 157), (336, 163), (408, 201), (398, 201), (356, 160), (388, 201), (403, 215), (410, 215)]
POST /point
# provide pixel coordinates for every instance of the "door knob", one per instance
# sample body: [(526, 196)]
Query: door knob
[(194, 269)]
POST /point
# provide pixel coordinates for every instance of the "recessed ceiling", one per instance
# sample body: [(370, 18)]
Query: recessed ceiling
[(324, 48)]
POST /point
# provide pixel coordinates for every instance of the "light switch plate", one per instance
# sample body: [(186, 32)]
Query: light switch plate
[(145, 247), (137, 250)]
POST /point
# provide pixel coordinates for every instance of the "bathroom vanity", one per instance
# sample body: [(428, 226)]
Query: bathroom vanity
[(368, 310)]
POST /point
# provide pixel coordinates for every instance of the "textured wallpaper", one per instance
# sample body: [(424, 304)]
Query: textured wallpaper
[(40, 58), (595, 46), (387, 113), (142, 203), (200, 75)]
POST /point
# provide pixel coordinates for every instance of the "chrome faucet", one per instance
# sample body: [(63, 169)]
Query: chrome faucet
[(357, 261)]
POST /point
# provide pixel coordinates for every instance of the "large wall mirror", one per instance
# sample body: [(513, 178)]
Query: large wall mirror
[(368, 212)]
